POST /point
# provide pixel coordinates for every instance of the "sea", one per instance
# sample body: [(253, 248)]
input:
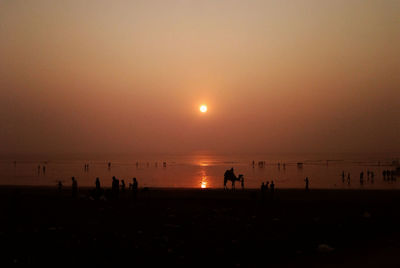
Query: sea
[(202, 170)]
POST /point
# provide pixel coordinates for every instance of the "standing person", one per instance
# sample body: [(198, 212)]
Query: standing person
[(361, 178), (262, 191), (113, 185), (343, 176), (38, 170), (242, 183), (122, 185), (74, 187), (266, 186), (272, 187), (97, 184), (134, 188), (348, 178), (44, 169), (307, 183)]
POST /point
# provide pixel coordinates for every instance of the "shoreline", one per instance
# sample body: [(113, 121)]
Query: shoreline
[(198, 227)]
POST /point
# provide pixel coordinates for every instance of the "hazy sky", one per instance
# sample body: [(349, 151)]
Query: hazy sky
[(129, 76)]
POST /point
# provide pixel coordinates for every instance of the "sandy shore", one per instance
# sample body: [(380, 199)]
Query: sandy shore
[(193, 227)]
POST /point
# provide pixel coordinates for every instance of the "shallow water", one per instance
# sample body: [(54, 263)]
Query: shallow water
[(199, 170)]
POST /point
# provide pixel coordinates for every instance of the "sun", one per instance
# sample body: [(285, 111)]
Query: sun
[(203, 108)]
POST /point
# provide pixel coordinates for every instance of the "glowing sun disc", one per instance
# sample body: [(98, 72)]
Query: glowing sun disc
[(203, 108)]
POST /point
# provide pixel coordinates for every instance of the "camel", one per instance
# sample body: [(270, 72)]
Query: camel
[(230, 176)]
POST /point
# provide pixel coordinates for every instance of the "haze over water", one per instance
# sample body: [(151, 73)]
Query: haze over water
[(129, 76), (200, 170)]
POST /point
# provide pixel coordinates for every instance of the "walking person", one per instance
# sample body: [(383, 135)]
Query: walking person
[(134, 188), (307, 183)]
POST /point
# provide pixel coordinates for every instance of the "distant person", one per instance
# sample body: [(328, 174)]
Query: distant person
[(362, 178), (267, 186), (307, 183), (109, 165), (98, 186), (38, 169), (44, 169), (122, 185), (262, 187), (242, 183), (74, 187), (253, 163), (134, 188), (348, 178), (284, 165), (343, 176), (372, 177), (272, 187), (115, 186)]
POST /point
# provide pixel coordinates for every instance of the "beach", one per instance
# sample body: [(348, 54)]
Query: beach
[(200, 227)]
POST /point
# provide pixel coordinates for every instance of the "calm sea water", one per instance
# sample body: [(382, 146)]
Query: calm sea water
[(199, 170)]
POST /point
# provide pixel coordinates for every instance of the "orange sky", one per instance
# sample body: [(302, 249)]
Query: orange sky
[(129, 76)]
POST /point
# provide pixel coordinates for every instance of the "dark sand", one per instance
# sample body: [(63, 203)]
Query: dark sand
[(321, 228)]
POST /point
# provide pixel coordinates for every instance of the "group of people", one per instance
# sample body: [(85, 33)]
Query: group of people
[(86, 168), (116, 187), (43, 169), (265, 187), (387, 175), (98, 191), (262, 164)]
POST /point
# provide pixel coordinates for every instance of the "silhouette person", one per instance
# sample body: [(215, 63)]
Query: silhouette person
[(307, 183), (97, 184), (122, 185), (361, 178), (109, 165), (266, 186), (348, 178), (115, 186), (38, 169), (134, 188), (272, 187), (44, 169), (242, 183), (343, 176), (74, 187)]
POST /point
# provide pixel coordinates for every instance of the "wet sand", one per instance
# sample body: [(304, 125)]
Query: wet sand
[(193, 227)]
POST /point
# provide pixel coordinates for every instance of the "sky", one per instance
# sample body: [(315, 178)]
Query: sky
[(129, 76)]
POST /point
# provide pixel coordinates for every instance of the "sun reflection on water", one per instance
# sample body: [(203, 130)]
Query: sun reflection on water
[(203, 184)]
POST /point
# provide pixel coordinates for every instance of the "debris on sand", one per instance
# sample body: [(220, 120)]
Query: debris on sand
[(367, 215), (324, 248)]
